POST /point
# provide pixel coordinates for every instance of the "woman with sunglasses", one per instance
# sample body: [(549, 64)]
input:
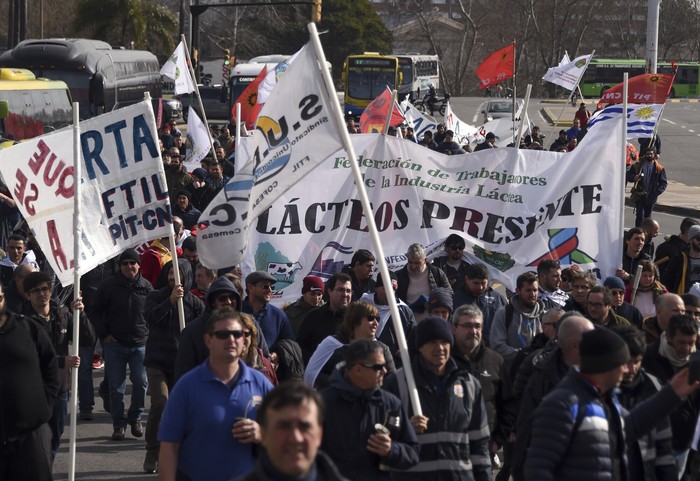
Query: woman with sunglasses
[(253, 355), (360, 322)]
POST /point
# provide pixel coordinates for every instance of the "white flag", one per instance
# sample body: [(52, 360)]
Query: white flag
[(641, 118), (464, 133), (199, 139), (568, 74), (176, 68), (294, 133), (418, 120), (272, 78)]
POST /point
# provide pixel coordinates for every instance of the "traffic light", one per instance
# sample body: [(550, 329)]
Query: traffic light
[(227, 58), (316, 11)]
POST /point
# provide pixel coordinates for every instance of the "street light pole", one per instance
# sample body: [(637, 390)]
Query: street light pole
[(653, 8)]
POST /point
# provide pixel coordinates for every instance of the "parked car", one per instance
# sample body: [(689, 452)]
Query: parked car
[(501, 109), (211, 99)]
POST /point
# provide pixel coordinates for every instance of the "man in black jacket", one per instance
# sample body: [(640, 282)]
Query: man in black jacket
[(29, 374), (57, 321), (355, 406), (122, 328), (673, 246), (161, 347)]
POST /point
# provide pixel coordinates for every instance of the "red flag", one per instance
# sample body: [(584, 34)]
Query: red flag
[(374, 116), (249, 102), (649, 88), (497, 67)]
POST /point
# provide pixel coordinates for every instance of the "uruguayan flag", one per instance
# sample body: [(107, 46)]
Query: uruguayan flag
[(641, 118)]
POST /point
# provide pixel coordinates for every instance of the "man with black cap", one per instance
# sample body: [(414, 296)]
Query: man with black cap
[(385, 331), (621, 307), (578, 430), (311, 298), (453, 430), (271, 320), (185, 210), (201, 193), (560, 143), (453, 264), (121, 326)]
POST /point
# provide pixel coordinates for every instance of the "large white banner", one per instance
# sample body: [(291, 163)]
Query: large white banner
[(513, 207), (294, 133), (123, 192)]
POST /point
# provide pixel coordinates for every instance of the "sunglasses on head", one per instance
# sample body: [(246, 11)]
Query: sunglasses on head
[(225, 334)]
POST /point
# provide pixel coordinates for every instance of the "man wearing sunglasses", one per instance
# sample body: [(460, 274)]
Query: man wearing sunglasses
[(355, 406), (57, 321), (121, 325), (271, 320), (208, 430)]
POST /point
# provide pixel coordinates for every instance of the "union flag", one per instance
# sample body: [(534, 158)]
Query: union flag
[(649, 88), (374, 116), (497, 67), (250, 108)]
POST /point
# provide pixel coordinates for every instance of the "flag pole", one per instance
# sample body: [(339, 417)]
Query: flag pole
[(77, 231), (387, 122), (515, 96), (383, 268), (199, 97), (623, 154), (237, 140), (523, 116)]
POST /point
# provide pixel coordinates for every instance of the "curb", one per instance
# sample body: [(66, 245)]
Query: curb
[(550, 118), (676, 210)]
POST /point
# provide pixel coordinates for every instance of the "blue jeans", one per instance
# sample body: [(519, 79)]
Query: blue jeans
[(57, 423), (86, 390), (117, 357)]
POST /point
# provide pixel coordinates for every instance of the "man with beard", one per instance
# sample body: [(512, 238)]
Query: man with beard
[(477, 291), (651, 175), (176, 175), (29, 373), (581, 283), (184, 209), (311, 298), (599, 308), (634, 252), (674, 245), (323, 321), (360, 272), (452, 264), (217, 180), (650, 457), (684, 269), (516, 324), (549, 278)]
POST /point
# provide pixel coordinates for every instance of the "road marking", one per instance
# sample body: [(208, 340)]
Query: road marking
[(669, 121), (691, 130)]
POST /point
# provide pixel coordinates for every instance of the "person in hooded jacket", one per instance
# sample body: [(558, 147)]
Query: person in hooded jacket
[(161, 347), (192, 351)]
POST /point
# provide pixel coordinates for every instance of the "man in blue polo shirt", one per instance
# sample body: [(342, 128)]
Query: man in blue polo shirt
[(271, 320), (208, 429)]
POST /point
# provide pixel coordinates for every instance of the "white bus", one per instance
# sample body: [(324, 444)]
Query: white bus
[(419, 73)]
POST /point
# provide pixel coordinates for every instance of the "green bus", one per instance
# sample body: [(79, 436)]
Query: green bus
[(603, 73)]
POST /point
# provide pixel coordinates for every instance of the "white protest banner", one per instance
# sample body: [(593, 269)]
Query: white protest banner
[(124, 196), (199, 140), (293, 135), (513, 207), (463, 132), (418, 120), (568, 74)]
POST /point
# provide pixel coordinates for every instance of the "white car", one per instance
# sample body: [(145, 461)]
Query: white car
[(501, 109)]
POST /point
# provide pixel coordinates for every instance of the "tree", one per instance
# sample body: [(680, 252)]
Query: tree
[(353, 27), (121, 22)]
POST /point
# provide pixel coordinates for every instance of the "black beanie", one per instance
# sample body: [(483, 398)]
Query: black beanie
[(129, 255), (432, 328), (440, 297), (602, 350)]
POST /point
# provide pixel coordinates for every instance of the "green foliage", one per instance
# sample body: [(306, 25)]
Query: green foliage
[(353, 27), (120, 22)]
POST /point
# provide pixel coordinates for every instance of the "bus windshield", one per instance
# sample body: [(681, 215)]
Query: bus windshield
[(35, 112), (367, 84)]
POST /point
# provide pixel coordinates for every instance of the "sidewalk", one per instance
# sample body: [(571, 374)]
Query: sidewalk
[(679, 199)]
